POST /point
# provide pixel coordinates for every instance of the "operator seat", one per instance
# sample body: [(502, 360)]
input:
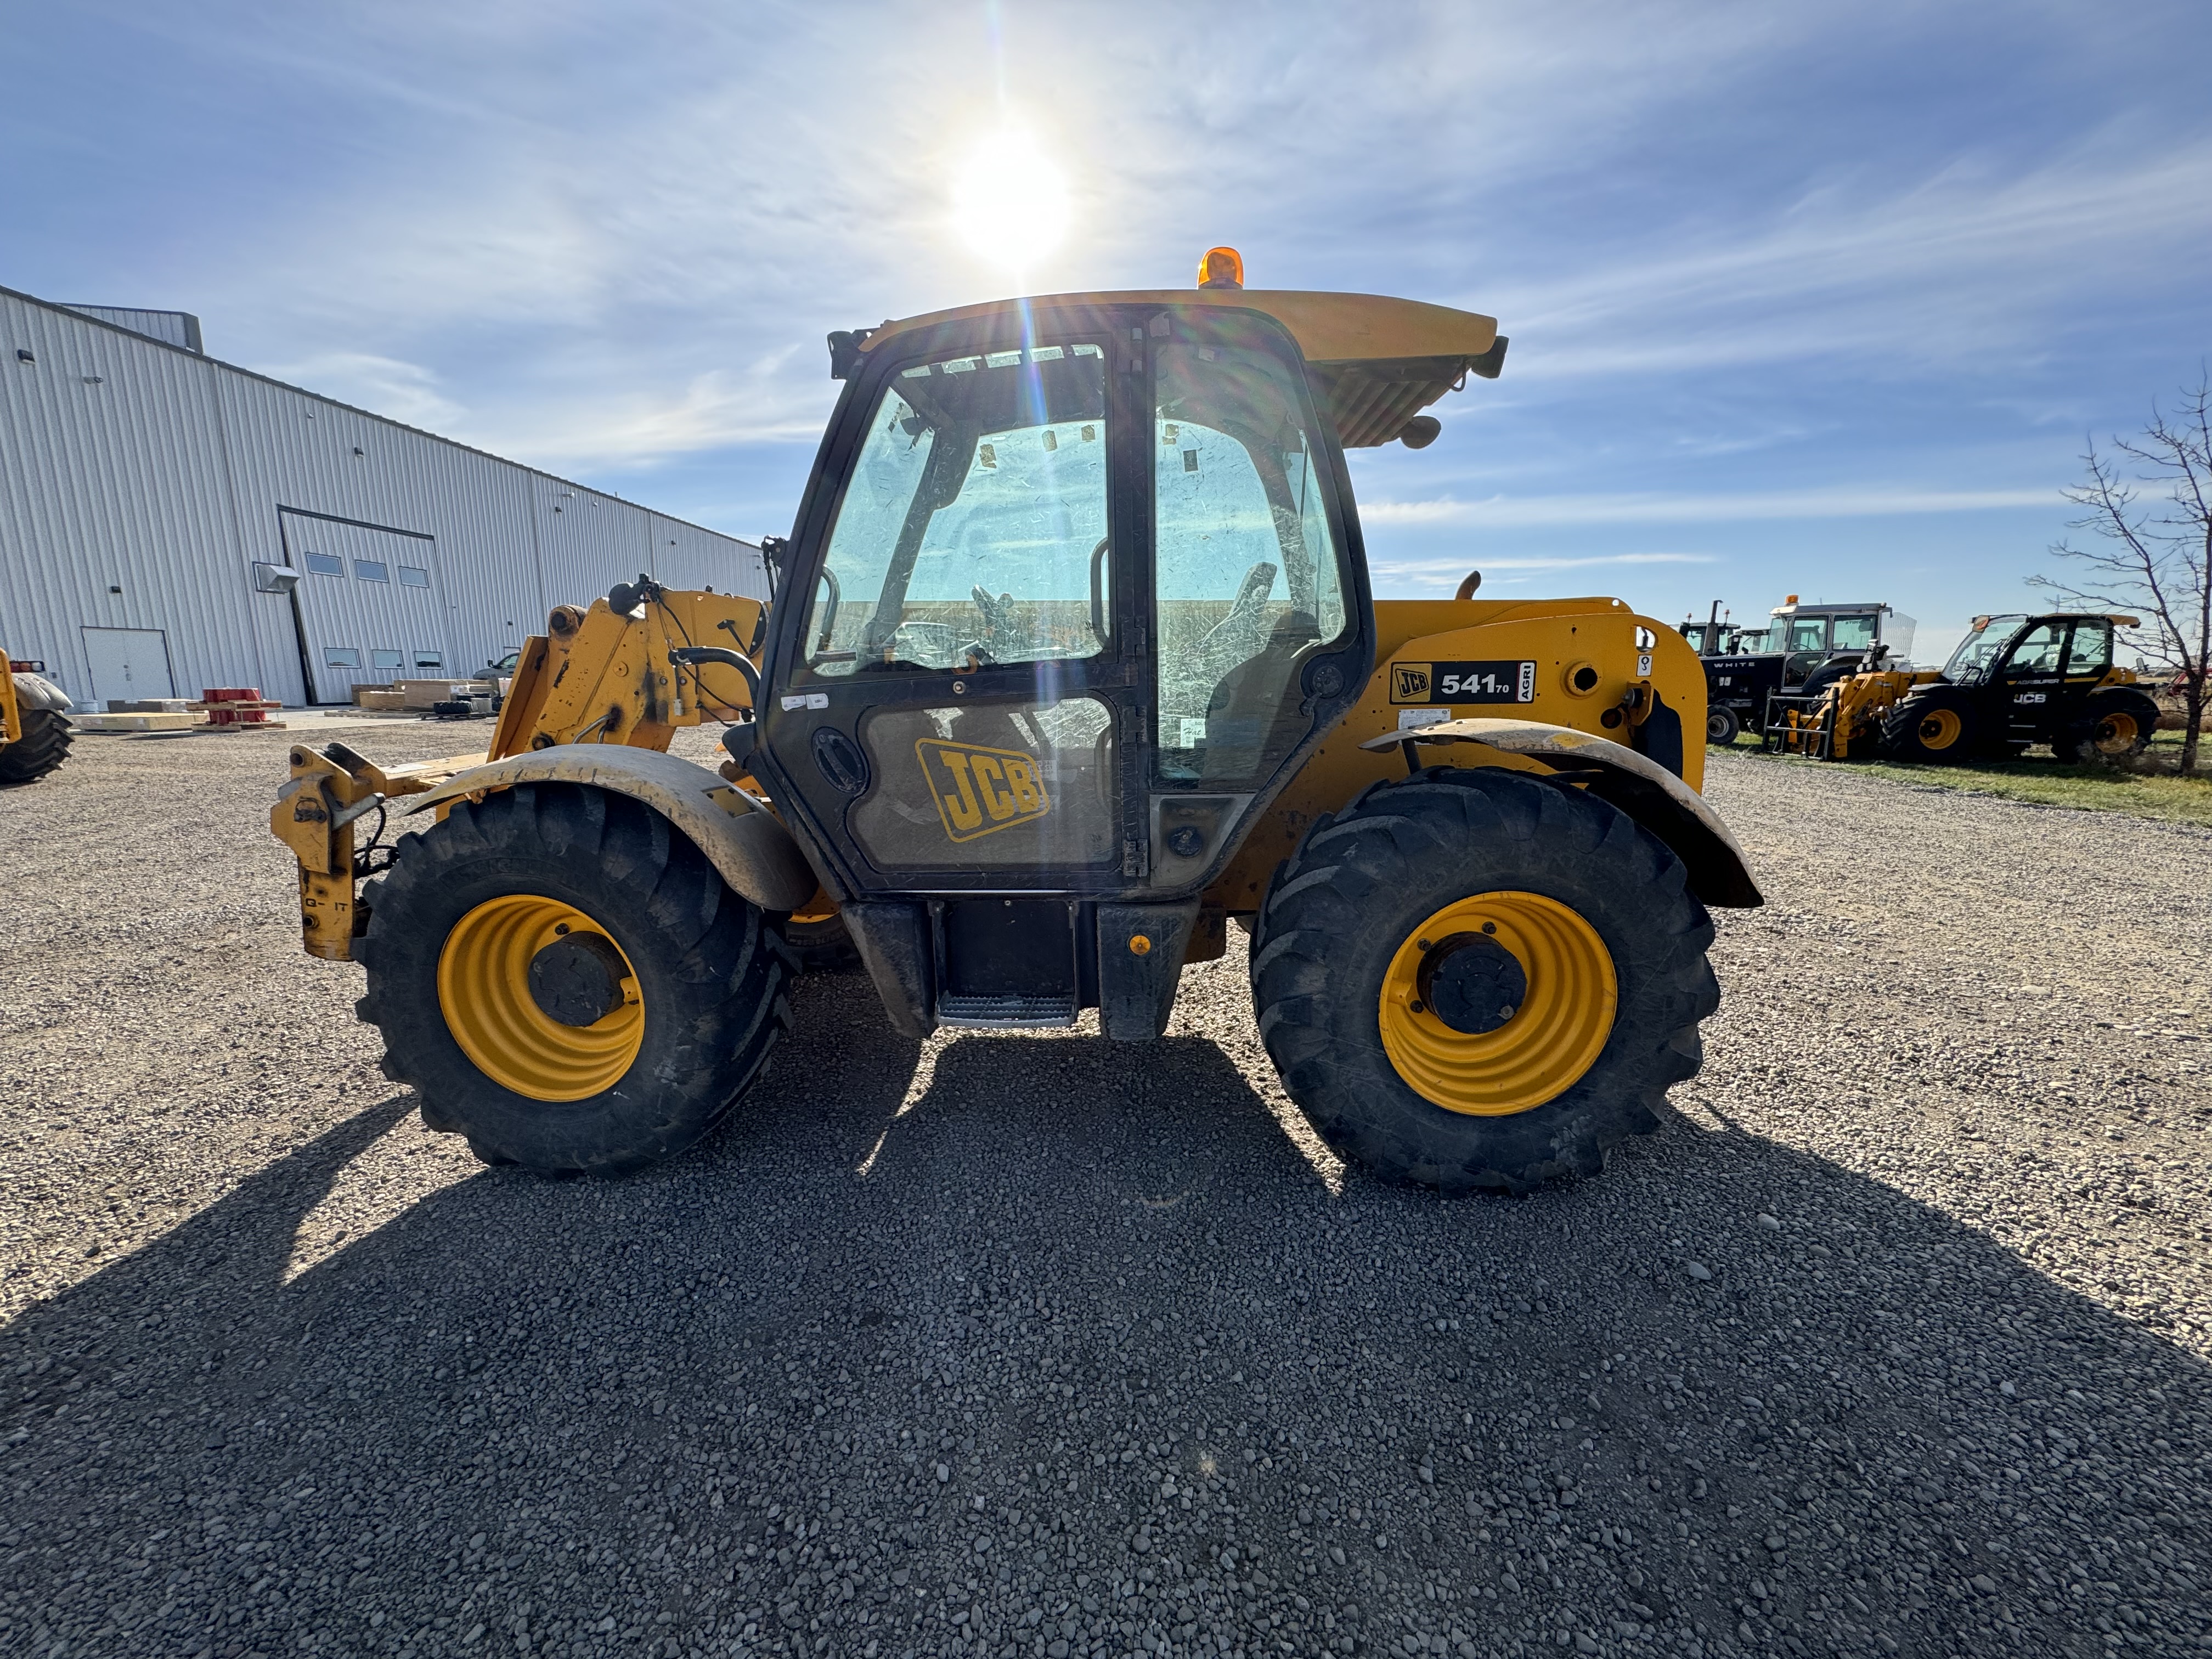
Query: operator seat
[(1255, 717)]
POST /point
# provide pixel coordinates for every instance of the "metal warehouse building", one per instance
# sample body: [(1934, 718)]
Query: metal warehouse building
[(169, 523)]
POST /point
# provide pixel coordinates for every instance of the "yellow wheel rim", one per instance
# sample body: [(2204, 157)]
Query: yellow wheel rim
[(1940, 728), (484, 990), (2116, 734), (1554, 1037), (820, 907)]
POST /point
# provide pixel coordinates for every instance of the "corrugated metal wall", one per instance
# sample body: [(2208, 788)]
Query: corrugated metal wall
[(179, 328), (127, 465)]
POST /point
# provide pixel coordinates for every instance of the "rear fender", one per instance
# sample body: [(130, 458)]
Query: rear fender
[(1647, 792), (755, 853), (37, 691), (22, 693)]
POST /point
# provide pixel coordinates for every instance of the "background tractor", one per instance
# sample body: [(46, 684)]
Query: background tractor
[(34, 728), (1803, 650), (1071, 660)]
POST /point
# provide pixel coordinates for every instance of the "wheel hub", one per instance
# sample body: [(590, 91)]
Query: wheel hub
[(1471, 983), (577, 978), (1498, 1003)]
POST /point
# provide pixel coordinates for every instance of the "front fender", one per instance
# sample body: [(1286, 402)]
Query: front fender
[(1647, 792), (755, 853)]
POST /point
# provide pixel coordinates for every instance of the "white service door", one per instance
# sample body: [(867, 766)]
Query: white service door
[(129, 664), (370, 603)]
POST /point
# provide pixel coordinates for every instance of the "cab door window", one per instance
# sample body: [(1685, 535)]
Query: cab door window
[(973, 530), (2036, 654), (1247, 580), (2089, 654), (1810, 633)]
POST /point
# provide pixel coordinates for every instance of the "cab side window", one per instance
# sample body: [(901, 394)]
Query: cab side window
[(1247, 578), (2091, 651)]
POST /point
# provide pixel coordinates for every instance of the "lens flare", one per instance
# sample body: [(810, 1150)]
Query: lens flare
[(1010, 202)]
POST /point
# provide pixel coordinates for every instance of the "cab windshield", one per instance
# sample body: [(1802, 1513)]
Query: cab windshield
[(1982, 646)]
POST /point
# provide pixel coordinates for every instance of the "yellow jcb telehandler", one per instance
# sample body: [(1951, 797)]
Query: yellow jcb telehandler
[(1070, 661), (34, 728)]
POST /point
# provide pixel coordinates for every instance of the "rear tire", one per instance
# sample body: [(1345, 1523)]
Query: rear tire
[(1342, 913), (1722, 725), (698, 1012), (44, 746), (1936, 724), (2115, 726)]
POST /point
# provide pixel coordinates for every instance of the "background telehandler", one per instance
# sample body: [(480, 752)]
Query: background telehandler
[(1071, 659), (34, 728), (2014, 681)]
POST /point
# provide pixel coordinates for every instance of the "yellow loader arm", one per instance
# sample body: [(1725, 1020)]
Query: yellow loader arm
[(603, 675)]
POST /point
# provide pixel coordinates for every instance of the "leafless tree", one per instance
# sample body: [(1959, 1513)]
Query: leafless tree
[(2149, 501)]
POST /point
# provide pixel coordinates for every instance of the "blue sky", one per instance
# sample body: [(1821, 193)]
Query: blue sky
[(1803, 298)]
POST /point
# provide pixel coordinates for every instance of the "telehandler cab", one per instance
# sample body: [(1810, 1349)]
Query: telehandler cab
[(1070, 660)]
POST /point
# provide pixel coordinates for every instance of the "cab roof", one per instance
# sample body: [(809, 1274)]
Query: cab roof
[(1377, 361)]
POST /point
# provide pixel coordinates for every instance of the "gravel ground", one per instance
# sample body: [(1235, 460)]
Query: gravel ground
[(1893, 1340)]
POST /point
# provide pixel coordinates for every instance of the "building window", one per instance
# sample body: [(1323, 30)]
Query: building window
[(371, 570), (326, 564), (387, 659), (341, 656), (410, 576), (428, 659)]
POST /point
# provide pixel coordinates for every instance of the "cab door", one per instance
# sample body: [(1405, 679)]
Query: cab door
[(2030, 681), (2088, 660), (1073, 591), (953, 710)]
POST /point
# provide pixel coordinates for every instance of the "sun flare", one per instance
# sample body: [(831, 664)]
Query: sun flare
[(1010, 202)]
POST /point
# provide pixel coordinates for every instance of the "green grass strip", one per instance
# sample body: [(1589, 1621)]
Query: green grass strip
[(2045, 782)]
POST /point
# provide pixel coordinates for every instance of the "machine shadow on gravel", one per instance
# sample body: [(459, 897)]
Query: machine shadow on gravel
[(569, 1403)]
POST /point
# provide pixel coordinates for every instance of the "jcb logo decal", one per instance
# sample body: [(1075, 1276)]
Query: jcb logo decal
[(1409, 682), (978, 790)]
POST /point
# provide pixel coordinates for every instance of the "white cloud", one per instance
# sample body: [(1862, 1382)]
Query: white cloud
[(403, 392), (1564, 561), (625, 232), (1969, 260), (1843, 502)]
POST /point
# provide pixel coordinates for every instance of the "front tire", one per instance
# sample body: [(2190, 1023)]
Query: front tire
[(1938, 723), (566, 981), (1569, 937), (1722, 725), (43, 747)]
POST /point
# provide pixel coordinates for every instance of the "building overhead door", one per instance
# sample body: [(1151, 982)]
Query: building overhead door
[(372, 610), (129, 664)]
